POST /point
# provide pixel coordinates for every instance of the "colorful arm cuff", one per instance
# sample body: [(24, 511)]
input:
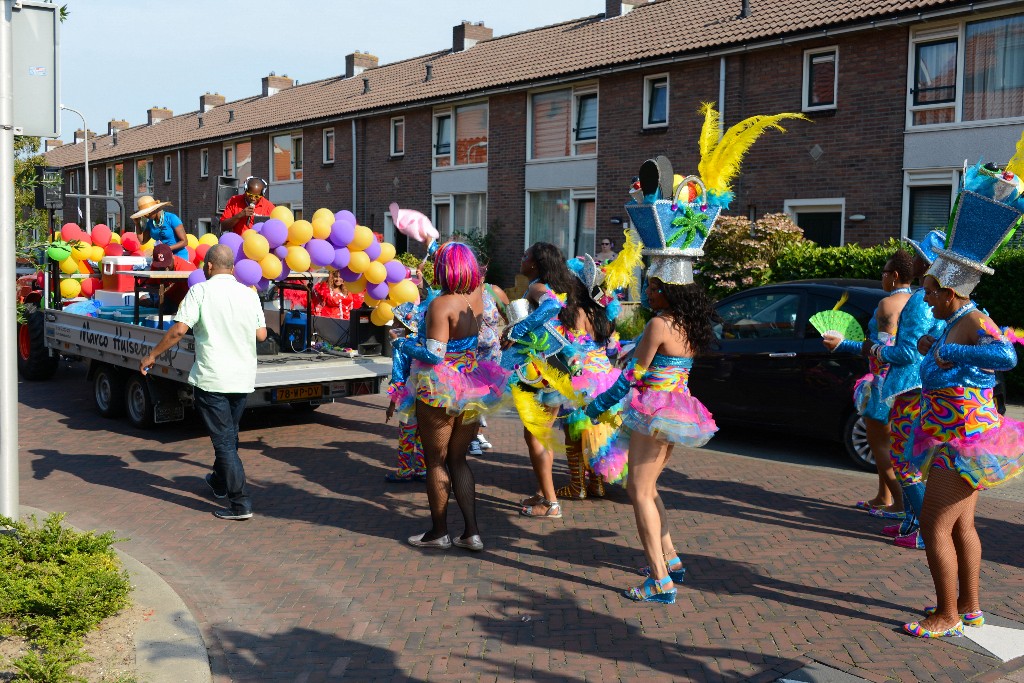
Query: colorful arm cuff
[(610, 397), (400, 362), (994, 355), (547, 310), (850, 346), (430, 353)]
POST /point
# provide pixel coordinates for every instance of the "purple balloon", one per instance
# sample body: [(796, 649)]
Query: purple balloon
[(373, 251), (378, 291), (396, 271), (342, 233), (232, 241), (341, 258), (248, 272), (258, 227), (345, 216), (281, 252), (276, 232), (285, 272), (347, 275), (240, 256), (321, 253), (263, 284), (196, 276)]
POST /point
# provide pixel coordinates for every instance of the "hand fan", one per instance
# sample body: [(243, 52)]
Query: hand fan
[(838, 321)]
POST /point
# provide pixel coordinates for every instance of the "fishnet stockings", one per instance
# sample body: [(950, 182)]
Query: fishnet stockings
[(445, 441), (952, 543)]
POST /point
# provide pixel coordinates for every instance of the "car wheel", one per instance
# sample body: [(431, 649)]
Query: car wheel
[(855, 439)]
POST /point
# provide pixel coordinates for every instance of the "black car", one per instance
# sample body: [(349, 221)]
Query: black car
[(771, 371)]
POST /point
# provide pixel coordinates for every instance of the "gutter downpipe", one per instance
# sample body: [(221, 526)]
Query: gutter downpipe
[(354, 186), (721, 93), (181, 207)]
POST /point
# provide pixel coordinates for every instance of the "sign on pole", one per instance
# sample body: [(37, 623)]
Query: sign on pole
[(36, 40)]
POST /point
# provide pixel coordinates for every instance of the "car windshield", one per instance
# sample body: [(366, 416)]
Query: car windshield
[(759, 316)]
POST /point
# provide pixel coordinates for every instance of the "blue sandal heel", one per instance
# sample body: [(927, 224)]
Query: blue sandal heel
[(652, 590)]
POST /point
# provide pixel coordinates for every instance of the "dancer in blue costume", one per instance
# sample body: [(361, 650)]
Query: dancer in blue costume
[(411, 464)]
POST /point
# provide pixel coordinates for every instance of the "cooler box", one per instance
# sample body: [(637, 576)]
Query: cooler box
[(154, 321), (111, 298), (117, 272)]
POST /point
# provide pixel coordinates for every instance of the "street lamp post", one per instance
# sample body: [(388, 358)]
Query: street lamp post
[(85, 148)]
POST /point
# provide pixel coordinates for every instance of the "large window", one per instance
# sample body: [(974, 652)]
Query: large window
[(563, 123), (464, 213), (972, 71), (821, 78), (286, 157), (238, 159), (143, 177), (565, 218), (460, 135), (656, 101)]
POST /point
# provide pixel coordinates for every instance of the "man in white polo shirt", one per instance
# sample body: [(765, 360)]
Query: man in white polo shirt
[(227, 321)]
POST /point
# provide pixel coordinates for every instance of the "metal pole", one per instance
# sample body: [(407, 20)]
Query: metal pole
[(85, 148), (8, 309)]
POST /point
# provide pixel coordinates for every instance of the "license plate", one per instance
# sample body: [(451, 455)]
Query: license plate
[(168, 411), (303, 393)]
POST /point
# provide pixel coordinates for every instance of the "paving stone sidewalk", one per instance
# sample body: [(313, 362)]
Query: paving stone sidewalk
[(321, 586)]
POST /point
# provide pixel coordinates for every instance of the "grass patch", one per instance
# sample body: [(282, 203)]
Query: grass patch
[(56, 585)]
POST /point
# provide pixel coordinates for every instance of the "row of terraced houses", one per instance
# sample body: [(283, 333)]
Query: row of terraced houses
[(537, 135)]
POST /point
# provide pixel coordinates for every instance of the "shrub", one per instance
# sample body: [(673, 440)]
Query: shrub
[(806, 260), (1002, 295), (413, 262), (632, 325), (738, 255)]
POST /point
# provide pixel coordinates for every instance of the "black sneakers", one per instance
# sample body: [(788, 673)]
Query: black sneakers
[(217, 493), (228, 513)]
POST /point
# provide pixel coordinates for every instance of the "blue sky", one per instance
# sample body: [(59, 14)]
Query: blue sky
[(121, 57)]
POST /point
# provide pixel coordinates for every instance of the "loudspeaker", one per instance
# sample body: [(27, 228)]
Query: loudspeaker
[(49, 188), (365, 337), (227, 187)]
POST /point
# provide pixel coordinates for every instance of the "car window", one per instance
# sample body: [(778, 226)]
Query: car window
[(817, 302), (759, 316)]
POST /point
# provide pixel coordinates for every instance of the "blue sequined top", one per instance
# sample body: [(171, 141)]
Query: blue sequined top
[(973, 365), (916, 320), (460, 345), (663, 361)]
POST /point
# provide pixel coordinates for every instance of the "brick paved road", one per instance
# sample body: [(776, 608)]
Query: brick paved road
[(320, 585)]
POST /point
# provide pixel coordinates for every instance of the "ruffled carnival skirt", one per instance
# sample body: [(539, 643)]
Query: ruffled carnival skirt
[(461, 384), (603, 448), (961, 430)]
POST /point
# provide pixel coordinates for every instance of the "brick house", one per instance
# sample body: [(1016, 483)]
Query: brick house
[(536, 135)]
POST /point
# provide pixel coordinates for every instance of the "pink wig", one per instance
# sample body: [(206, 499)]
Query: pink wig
[(455, 269)]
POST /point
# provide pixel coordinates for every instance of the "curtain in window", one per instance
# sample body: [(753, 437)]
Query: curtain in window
[(929, 209), (822, 81), (443, 145), (549, 218), (471, 134), (551, 122), (243, 160), (586, 227), (994, 69), (470, 210)]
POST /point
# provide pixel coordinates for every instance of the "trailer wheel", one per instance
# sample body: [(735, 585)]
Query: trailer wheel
[(34, 360), (138, 401), (108, 390)]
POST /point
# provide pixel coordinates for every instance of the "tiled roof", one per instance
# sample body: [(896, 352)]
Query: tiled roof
[(657, 30)]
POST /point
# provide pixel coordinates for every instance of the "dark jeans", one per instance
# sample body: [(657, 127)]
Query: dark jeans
[(222, 413)]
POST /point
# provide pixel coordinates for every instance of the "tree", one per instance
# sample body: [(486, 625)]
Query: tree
[(30, 228)]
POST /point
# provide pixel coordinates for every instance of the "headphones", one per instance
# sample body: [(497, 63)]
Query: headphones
[(266, 186)]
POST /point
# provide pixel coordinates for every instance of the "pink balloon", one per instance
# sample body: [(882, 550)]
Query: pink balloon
[(248, 272), (195, 277), (396, 271), (378, 291), (342, 233), (413, 224), (276, 232), (321, 253), (373, 251), (341, 258), (100, 235), (71, 231), (347, 275)]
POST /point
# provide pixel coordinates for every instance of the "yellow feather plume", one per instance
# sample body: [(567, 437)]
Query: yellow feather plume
[(710, 132), (721, 163), (560, 382), (536, 417), (621, 273), (842, 300), (1016, 165)]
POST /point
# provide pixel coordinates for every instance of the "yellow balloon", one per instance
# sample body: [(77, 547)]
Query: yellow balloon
[(299, 233), (96, 254), (283, 213), (356, 287), (363, 238), (385, 310), (375, 272), (323, 213), (379, 318), (271, 266), (191, 240), (255, 246), (209, 238), (387, 252), (297, 259), (115, 238), (148, 246), (370, 301), (81, 252), (358, 262), (404, 291), (70, 288), (322, 227), (69, 265)]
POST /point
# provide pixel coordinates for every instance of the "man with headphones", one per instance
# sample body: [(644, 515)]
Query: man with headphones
[(242, 209)]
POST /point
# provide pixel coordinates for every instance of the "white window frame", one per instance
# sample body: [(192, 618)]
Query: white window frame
[(94, 181), (73, 181), (204, 163), (434, 154), (167, 169), (929, 33), (150, 167), (449, 200), (112, 180), (203, 226), (575, 195), (328, 133), (791, 207), (809, 56), (649, 84), (577, 92), (394, 138), (112, 221), (451, 113), (296, 140), (224, 170), (927, 178)]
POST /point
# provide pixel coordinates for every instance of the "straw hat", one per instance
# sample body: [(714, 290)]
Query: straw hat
[(148, 205)]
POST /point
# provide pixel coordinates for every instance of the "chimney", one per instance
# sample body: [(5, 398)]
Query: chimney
[(366, 85), (430, 71), (158, 114), (209, 101), (231, 115), (80, 135), (468, 34), (115, 124), (53, 144), (618, 8), (744, 9), (273, 84), (358, 62)]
